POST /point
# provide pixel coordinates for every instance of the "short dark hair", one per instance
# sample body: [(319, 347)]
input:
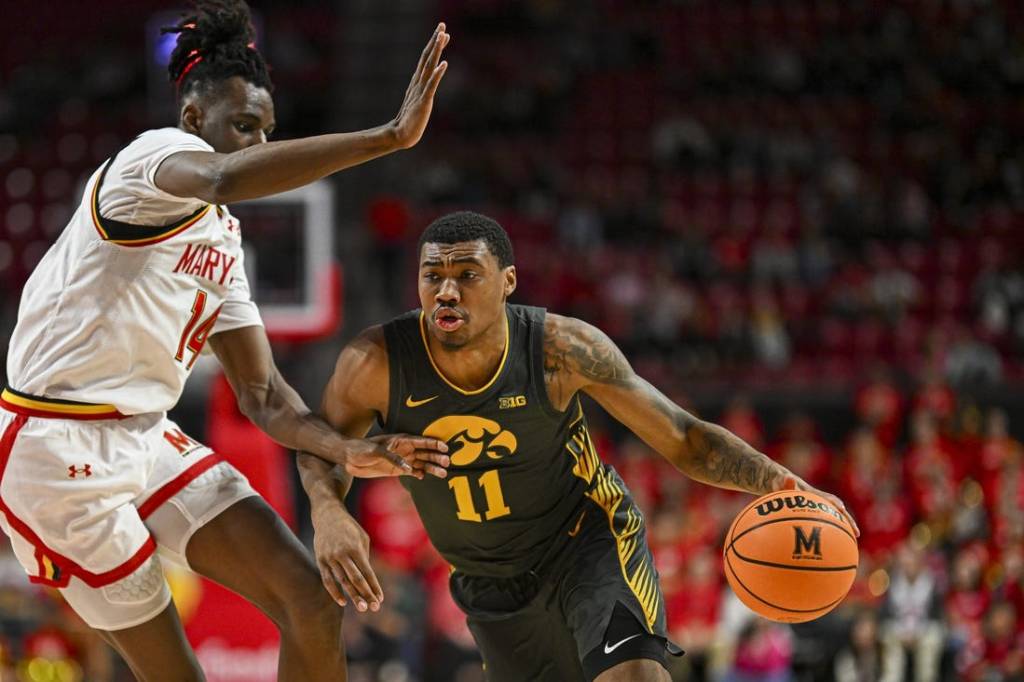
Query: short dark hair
[(214, 44), (467, 226)]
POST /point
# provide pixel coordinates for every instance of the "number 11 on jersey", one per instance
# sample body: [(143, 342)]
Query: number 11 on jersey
[(466, 510)]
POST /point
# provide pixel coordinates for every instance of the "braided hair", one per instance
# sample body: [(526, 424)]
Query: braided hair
[(215, 44)]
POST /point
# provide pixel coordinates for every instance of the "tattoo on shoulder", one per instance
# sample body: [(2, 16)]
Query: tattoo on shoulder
[(576, 347)]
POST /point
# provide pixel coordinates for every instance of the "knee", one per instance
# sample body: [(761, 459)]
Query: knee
[(307, 606)]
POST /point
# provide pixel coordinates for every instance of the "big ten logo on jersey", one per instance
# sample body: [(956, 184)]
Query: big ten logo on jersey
[(185, 445), (508, 402), (468, 438), (206, 262)]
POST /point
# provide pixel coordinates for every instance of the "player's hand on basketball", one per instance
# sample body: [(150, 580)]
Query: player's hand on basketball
[(400, 455), (342, 550), (414, 113), (796, 483)]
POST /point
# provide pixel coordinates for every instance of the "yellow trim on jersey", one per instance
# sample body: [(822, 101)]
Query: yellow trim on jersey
[(497, 373), (55, 406), (141, 241), (164, 235), (49, 571), (609, 495)]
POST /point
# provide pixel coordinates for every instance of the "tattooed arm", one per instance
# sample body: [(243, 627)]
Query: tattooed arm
[(580, 357)]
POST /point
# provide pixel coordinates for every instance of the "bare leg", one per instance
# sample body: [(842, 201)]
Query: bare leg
[(157, 650), (249, 549), (638, 670)]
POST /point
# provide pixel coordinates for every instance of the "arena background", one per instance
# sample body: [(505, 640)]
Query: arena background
[(800, 218)]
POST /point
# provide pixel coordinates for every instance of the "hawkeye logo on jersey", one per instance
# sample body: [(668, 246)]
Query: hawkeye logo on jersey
[(508, 402), (206, 262), (468, 437)]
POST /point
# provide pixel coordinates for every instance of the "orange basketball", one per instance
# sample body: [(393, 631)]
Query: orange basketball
[(791, 556)]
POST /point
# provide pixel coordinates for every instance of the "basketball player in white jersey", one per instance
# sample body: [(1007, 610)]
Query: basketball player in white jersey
[(94, 479)]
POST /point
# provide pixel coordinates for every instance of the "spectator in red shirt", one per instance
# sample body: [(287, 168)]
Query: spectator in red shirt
[(967, 600), (693, 609), (880, 405), (388, 515), (885, 521), (929, 468), (935, 397), (1011, 587), (865, 464), (740, 418), (1001, 655), (801, 451), (998, 448)]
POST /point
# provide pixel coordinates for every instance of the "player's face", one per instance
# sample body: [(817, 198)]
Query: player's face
[(462, 290), (236, 114)]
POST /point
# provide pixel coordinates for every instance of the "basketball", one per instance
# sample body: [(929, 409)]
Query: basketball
[(790, 556)]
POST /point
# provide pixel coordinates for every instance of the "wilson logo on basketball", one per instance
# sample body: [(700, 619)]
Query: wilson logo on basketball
[(795, 502), (807, 545)]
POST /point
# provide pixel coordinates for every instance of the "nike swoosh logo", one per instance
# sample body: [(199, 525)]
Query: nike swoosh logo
[(609, 649), (409, 402)]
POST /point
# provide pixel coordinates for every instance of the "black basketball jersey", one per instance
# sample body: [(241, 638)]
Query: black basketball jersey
[(519, 467)]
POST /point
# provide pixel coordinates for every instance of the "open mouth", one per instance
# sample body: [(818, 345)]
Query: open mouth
[(447, 320)]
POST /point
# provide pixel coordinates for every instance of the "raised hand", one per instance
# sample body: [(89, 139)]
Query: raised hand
[(414, 113), (399, 455)]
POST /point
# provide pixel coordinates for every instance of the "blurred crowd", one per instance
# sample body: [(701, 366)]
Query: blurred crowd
[(807, 194), (755, 190)]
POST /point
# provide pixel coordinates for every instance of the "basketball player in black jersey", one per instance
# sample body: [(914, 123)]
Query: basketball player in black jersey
[(549, 553)]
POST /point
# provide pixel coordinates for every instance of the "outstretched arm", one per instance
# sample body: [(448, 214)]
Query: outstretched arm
[(271, 404), (580, 357), (275, 167)]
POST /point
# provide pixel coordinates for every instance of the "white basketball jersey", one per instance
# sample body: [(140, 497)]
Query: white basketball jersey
[(120, 307)]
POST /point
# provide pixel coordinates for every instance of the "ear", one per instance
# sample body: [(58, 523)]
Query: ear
[(191, 117), (510, 280)]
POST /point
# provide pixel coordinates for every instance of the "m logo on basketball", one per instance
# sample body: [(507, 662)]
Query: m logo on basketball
[(468, 437), (807, 545)]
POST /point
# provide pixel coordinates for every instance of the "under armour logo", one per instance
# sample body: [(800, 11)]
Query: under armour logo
[(75, 472)]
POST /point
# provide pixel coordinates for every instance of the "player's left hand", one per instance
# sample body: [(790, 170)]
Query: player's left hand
[(342, 550), (796, 483), (400, 455), (414, 113)]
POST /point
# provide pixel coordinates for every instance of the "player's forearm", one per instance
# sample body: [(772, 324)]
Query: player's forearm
[(280, 413), (275, 167), (325, 484), (716, 456)]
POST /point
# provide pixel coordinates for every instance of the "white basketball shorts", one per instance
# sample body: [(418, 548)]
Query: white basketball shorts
[(88, 496)]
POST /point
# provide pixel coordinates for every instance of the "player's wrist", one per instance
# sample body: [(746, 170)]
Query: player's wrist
[(326, 509)]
